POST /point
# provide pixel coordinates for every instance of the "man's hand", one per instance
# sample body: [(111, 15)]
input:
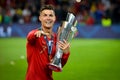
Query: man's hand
[(39, 33), (64, 46)]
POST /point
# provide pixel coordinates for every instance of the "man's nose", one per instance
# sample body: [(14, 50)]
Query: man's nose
[(48, 17)]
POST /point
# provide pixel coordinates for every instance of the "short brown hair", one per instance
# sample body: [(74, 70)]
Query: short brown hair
[(47, 7)]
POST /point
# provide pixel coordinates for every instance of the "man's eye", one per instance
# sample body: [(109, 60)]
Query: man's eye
[(51, 15), (44, 15)]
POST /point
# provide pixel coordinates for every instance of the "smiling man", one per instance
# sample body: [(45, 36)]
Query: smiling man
[(41, 47)]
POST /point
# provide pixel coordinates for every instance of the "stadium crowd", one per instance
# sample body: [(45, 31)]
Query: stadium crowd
[(88, 12)]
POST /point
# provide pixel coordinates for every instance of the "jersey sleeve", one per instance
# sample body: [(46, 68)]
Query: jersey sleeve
[(31, 37), (65, 58)]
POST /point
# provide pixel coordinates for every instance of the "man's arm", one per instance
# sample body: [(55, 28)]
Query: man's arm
[(31, 37), (64, 59), (65, 46)]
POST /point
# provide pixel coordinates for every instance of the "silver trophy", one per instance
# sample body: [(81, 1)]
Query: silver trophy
[(65, 32)]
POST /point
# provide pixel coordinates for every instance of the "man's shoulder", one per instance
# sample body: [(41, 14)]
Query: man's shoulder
[(54, 34)]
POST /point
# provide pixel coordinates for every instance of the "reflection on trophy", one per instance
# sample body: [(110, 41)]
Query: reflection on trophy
[(66, 31)]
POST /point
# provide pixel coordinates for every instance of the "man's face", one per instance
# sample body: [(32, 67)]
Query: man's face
[(47, 18)]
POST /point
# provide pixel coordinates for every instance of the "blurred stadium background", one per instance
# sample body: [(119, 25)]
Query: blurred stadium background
[(95, 50)]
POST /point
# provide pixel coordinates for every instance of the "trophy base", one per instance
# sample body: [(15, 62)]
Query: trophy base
[(55, 67)]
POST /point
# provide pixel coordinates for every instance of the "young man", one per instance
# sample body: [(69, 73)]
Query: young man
[(38, 53)]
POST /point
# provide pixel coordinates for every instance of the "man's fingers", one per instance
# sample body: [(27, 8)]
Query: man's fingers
[(39, 33), (63, 44), (42, 32)]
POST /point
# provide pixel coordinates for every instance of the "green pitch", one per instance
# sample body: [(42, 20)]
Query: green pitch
[(90, 59)]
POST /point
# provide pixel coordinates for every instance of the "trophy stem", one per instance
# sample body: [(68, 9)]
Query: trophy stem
[(56, 63)]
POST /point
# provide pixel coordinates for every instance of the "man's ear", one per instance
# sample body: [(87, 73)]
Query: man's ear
[(55, 18), (39, 18)]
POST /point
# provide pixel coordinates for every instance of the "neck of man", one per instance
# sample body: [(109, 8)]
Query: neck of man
[(47, 30)]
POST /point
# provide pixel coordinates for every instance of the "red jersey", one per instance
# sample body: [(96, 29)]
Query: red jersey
[(38, 58)]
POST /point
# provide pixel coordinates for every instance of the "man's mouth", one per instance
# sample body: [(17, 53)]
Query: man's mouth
[(48, 22)]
